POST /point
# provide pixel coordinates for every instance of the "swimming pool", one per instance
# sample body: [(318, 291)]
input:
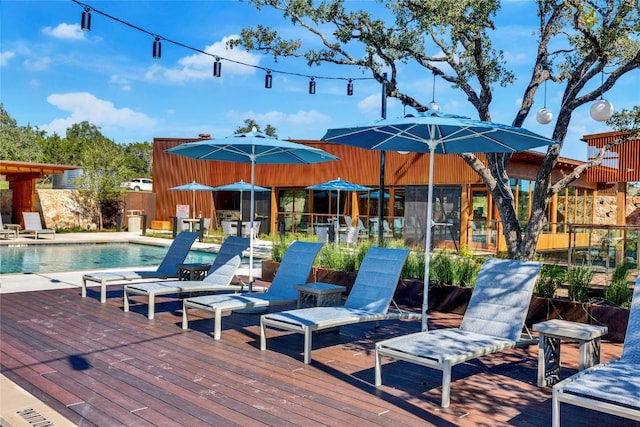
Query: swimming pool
[(85, 256)]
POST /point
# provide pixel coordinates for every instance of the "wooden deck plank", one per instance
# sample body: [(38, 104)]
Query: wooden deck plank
[(142, 372)]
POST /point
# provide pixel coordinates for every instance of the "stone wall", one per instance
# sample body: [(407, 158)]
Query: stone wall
[(62, 209)]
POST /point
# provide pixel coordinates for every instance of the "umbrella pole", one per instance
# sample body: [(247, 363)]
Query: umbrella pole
[(336, 224), (427, 243), (251, 213)]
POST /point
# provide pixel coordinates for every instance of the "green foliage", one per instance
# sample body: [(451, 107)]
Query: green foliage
[(442, 268), (414, 266), (280, 245), (549, 280), (19, 143), (618, 293), (467, 270), (250, 124), (579, 279)]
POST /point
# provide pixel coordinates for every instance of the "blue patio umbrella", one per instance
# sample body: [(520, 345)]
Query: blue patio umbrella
[(338, 185), (435, 132), (193, 187), (240, 186), (254, 148)]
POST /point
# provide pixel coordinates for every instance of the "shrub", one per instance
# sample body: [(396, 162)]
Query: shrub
[(467, 270), (618, 293), (579, 279), (414, 266), (550, 278), (441, 268)]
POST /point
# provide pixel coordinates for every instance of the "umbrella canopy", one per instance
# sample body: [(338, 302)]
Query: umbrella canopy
[(338, 185), (435, 132), (193, 187), (240, 186), (254, 148)]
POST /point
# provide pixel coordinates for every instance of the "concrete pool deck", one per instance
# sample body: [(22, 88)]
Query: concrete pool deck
[(73, 279)]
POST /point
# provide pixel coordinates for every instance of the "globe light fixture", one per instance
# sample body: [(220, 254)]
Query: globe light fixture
[(433, 105), (601, 110), (544, 116)]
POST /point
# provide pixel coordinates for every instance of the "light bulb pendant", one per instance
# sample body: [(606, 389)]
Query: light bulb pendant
[(217, 68), (157, 48), (544, 116), (601, 110), (268, 80), (312, 86), (350, 88), (85, 23)]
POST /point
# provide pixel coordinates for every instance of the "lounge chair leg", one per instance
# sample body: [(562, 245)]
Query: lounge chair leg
[(378, 368), (555, 410), (103, 292), (185, 317), (263, 335), (126, 300), (446, 385), (307, 345), (84, 288), (217, 324), (152, 306)]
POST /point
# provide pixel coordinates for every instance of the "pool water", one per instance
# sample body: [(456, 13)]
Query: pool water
[(72, 257)]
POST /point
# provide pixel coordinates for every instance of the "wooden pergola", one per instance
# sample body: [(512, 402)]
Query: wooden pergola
[(22, 178)]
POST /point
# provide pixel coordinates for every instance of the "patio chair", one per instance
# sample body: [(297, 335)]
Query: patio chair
[(33, 225), (294, 270), (350, 237), (612, 387), (9, 232), (168, 268), (368, 301), (493, 322), (218, 277)]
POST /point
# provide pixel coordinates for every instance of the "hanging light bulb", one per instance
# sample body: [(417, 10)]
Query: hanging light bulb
[(601, 110), (544, 115), (312, 86), (217, 68), (85, 23), (433, 105), (268, 80), (350, 88), (157, 48)]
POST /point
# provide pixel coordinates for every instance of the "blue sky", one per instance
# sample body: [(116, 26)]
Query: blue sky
[(53, 74)]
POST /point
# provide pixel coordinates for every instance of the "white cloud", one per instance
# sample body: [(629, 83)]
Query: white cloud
[(39, 64), (5, 57), (200, 66), (65, 31), (302, 122), (84, 106), (123, 83), (370, 104)]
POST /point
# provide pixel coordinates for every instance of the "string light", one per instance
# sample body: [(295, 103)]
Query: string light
[(157, 51), (217, 67), (268, 79), (157, 48), (312, 86), (433, 105), (86, 19)]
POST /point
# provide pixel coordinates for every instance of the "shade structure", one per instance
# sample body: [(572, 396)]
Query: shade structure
[(193, 187), (254, 148), (435, 132), (338, 185), (240, 186)]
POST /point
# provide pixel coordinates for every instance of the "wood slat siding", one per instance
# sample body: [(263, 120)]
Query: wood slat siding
[(99, 366), (621, 163)]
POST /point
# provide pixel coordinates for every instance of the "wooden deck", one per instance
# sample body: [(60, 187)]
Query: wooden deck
[(97, 365)]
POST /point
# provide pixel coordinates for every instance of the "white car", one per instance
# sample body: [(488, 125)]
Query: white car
[(137, 184)]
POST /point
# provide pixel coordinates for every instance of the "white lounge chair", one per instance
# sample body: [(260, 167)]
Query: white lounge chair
[(493, 322), (294, 270), (168, 268), (33, 225), (612, 387), (368, 301), (9, 232), (218, 277)]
